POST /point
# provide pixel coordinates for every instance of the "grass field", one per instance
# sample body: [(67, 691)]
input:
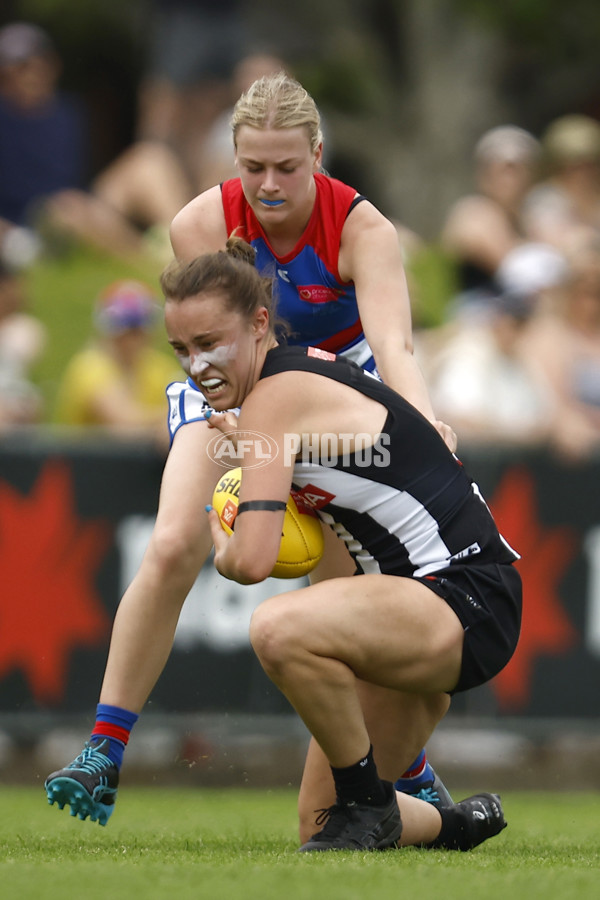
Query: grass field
[(234, 843)]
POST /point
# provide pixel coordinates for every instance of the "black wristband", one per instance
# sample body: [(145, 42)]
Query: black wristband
[(270, 505)]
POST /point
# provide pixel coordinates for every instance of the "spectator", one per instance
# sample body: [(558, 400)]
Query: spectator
[(118, 381), (43, 163), (22, 340), (193, 49), (481, 228), (564, 349), (480, 375), (564, 209)]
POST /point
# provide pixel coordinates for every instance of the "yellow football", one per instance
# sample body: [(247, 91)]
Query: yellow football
[(301, 545)]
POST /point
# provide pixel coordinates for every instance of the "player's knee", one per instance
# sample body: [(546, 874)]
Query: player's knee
[(437, 706), (274, 634), (176, 552)]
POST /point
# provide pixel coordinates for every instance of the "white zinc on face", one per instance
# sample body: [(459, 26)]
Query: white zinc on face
[(199, 362)]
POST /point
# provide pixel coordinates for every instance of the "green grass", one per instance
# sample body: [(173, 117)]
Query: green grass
[(229, 844), (60, 291)]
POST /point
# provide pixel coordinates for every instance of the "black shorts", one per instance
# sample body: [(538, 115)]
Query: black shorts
[(487, 600)]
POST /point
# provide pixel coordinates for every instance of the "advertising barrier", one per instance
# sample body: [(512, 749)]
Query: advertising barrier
[(75, 518)]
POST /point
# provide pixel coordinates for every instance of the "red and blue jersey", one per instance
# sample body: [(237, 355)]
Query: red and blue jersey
[(319, 307)]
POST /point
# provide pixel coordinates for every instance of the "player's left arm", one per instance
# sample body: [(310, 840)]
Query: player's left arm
[(371, 257), (249, 555)]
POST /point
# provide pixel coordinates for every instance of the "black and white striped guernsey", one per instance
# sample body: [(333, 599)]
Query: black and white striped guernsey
[(413, 516)]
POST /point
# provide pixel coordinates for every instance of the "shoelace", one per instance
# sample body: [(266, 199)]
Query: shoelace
[(91, 761), (325, 814), (327, 817)]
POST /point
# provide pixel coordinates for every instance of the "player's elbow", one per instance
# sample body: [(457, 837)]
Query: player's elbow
[(251, 574), (252, 566), (406, 344), (391, 348)]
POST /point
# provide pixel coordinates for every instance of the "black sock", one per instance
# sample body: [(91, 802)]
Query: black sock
[(360, 783), (454, 833)]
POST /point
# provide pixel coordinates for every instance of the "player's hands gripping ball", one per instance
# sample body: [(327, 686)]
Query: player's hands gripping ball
[(301, 545)]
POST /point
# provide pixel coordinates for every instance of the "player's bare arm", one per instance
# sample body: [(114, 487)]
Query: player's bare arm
[(200, 226), (370, 255), (248, 556)]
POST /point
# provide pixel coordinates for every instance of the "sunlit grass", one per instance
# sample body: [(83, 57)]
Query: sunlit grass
[(238, 843)]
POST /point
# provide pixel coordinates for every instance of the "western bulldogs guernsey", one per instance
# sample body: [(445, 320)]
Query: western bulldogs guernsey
[(410, 509), (320, 308)]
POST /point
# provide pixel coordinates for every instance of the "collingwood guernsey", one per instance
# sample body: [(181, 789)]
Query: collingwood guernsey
[(404, 506)]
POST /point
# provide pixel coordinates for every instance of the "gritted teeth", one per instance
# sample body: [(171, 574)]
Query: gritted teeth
[(211, 382)]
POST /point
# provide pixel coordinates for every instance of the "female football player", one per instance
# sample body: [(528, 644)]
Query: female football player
[(340, 285), (436, 607)]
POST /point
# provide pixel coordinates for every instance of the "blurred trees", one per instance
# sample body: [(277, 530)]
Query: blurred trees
[(411, 85), (407, 86)]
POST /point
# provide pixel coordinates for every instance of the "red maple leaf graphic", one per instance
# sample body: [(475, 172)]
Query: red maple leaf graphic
[(545, 554), (48, 604)]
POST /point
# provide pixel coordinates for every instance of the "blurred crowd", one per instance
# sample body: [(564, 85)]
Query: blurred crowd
[(516, 359)]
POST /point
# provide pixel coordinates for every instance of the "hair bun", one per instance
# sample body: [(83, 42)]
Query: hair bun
[(240, 249)]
